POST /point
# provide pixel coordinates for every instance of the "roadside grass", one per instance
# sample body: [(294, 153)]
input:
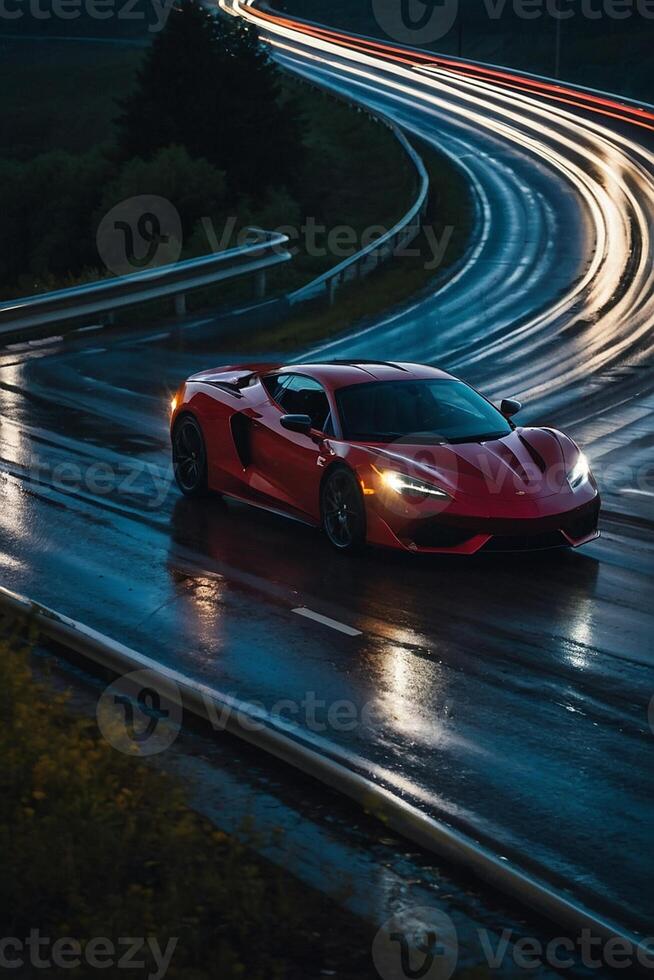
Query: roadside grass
[(97, 844), (94, 843), (356, 176), (392, 283)]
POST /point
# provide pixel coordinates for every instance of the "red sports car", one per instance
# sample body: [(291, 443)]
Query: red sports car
[(393, 454)]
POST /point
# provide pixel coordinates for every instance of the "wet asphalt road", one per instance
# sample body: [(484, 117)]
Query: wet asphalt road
[(507, 695), (554, 301)]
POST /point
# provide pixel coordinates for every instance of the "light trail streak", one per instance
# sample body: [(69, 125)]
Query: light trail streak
[(609, 171)]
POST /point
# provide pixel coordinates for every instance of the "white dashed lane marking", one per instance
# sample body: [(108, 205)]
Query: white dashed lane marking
[(326, 621)]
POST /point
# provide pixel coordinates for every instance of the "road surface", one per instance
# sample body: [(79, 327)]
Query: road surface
[(506, 695)]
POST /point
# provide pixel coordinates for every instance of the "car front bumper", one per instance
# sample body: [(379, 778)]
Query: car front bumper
[(465, 534)]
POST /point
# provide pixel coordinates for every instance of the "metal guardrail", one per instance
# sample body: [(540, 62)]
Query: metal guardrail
[(398, 237), (322, 761), (108, 295)]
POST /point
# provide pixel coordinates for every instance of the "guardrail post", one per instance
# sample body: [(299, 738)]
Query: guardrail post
[(260, 284), (174, 281), (180, 304)]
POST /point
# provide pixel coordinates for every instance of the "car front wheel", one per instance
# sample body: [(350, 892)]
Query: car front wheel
[(342, 509), (190, 457)]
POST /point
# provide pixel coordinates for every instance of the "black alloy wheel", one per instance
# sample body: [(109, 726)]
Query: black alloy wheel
[(342, 509), (189, 457)]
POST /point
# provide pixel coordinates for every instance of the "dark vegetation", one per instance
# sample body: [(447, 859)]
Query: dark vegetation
[(95, 843), (450, 213), (200, 117), (198, 114), (208, 85)]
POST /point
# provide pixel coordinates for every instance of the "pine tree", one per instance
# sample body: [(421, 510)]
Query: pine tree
[(208, 85)]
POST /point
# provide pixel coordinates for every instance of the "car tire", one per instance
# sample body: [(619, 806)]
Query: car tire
[(342, 510), (190, 457)]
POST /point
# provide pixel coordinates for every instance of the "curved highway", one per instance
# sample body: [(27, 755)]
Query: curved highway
[(556, 302), (507, 695)]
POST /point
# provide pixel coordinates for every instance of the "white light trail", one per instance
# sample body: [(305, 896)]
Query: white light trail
[(610, 172)]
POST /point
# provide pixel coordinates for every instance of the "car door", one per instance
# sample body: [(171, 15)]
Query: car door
[(288, 465)]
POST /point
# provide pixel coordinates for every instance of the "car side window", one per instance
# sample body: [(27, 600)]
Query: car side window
[(304, 396), (275, 384)]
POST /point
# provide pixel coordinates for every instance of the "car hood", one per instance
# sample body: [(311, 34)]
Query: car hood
[(526, 463)]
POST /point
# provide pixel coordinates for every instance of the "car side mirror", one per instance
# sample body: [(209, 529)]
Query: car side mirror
[(509, 407), (296, 423)]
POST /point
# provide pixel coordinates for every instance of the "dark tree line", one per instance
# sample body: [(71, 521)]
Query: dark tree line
[(207, 126), (208, 85)]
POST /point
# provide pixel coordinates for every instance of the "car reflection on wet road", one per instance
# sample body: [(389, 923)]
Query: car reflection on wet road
[(507, 694)]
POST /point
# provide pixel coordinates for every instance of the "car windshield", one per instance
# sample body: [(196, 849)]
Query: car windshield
[(432, 411)]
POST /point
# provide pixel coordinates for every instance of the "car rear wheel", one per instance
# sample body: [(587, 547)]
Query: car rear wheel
[(342, 510), (190, 457)]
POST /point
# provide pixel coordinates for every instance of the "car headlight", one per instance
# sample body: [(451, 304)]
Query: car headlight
[(408, 486), (579, 472)]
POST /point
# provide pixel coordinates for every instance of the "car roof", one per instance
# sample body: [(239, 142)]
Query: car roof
[(339, 374)]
